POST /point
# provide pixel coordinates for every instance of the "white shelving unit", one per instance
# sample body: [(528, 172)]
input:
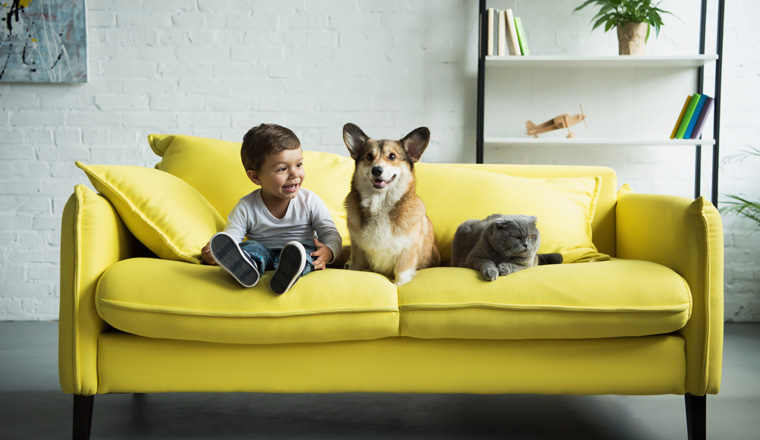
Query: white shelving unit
[(527, 141), (535, 86), (586, 62)]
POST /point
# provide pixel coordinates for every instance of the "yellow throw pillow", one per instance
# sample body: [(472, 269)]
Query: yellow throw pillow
[(564, 206), (166, 214)]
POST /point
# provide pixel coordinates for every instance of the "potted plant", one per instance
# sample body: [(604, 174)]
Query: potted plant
[(738, 205), (632, 18)]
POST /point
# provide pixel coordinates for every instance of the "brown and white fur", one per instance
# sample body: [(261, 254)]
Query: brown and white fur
[(390, 232)]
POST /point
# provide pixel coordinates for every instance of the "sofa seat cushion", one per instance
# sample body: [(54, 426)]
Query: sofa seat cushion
[(176, 300), (568, 301)]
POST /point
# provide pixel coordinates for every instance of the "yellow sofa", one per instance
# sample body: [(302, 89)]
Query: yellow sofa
[(636, 310)]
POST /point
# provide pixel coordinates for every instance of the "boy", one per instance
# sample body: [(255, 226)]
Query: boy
[(279, 219)]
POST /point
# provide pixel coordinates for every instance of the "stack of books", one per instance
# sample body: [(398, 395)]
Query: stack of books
[(694, 113), (505, 34)]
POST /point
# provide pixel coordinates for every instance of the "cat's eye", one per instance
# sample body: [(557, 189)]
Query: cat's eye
[(531, 237)]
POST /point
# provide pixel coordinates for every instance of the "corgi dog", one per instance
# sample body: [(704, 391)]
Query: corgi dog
[(389, 229)]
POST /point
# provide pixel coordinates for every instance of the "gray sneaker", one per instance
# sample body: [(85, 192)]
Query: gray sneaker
[(230, 257), (292, 263)]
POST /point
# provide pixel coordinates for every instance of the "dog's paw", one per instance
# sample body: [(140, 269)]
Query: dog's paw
[(490, 273), (405, 277)]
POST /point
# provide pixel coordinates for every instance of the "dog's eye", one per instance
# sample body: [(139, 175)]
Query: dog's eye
[(392, 156), (370, 156)]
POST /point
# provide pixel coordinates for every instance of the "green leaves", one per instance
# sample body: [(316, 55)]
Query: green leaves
[(742, 207), (619, 12), (737, 205)]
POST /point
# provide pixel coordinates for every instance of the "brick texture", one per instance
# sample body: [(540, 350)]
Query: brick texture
[(215, 68)]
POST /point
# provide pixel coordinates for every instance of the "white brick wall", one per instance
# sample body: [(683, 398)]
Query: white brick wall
[(214, 68)]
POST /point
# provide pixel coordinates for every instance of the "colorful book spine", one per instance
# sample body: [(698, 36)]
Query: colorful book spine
[(687, 116), (694, 117), (706, 109), (680, 117), (521, 36)]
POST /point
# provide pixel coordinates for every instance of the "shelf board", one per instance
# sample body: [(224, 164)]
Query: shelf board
[(615, 61), (527, 141)]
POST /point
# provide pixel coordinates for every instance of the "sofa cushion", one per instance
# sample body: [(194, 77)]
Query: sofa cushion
[(564, 206), (211, 166), (597, 300), (214, 168), (166, 214), (175, 300)]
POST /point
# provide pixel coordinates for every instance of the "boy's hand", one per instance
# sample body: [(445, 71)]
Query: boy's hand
[(206, 255), (322, 255)]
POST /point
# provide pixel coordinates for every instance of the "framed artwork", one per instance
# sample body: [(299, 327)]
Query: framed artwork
[(43, 41)]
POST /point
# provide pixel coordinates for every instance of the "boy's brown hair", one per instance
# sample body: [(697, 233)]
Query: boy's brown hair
[(263, 140)]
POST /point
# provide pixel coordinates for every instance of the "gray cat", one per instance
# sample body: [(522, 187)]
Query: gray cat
[(499, 245)]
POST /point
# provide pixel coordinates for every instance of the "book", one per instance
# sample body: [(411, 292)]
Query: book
[(680, 117), (521, 36), (706, 109), (687, 115), (512, 42), (491, 25), (502, 33), (694, 117)]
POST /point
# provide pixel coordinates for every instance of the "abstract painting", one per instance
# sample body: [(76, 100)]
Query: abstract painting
[(43, 41)]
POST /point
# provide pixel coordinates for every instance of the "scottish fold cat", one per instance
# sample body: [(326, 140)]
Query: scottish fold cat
[(499, 245)]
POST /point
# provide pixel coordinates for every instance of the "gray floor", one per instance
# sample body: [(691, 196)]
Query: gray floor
[(33, 407)]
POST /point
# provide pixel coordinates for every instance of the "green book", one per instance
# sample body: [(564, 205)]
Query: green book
[(521, 36), (687, 116)]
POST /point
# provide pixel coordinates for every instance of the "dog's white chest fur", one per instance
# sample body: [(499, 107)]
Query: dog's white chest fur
[(378, 235)]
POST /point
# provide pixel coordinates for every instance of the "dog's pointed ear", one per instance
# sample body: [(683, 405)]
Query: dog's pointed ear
[(415, 142), (355, 139)]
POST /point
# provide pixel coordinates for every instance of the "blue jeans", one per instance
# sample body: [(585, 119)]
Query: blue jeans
[(268, 259)]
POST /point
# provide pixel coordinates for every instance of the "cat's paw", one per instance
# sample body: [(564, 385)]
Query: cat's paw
[(505, 269), (490, 273)]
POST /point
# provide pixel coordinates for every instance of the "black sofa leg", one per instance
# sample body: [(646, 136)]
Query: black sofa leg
[(82, 417), (696, 416)]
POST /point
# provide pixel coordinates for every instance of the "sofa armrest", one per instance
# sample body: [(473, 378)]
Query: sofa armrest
[(93, 238), (687, 236)]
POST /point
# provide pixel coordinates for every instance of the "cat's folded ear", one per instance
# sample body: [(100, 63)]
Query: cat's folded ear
[(502, 223)]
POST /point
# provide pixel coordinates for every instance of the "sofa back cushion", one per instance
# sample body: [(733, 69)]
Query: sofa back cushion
[(575, 205), (603, 223), (215, 169), (564, 206)]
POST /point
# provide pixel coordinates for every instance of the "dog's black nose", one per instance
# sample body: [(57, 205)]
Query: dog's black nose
[(377, 171)]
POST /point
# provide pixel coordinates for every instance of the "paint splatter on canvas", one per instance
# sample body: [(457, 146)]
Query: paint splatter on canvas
[(43, 41)]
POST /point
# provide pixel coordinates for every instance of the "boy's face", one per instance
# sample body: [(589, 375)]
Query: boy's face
[(281, 175)]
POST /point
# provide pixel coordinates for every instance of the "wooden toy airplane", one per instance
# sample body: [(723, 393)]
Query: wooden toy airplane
[(562, 121)]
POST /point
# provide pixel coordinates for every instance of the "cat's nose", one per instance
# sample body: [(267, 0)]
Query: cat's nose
[(377, 171)]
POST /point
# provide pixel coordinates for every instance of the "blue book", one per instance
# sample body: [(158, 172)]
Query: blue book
[(694, 117)]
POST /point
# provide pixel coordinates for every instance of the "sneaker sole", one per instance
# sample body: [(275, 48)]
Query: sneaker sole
[(292, 263), (230, 257)]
